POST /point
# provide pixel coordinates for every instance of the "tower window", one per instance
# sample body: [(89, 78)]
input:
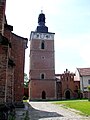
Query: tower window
[(42, 45), (42, 76)]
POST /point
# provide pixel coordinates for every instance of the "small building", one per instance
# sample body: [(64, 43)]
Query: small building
[(84, 75), (66, 85)]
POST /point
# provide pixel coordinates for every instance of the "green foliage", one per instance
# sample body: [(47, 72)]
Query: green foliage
[(25, 80), (88, 88), (80, 105), (25, 101), (88, 93)]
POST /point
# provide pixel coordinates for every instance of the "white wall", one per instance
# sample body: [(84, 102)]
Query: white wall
[(84, 83)]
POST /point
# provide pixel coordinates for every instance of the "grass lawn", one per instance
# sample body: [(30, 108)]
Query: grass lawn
[(80, 105)]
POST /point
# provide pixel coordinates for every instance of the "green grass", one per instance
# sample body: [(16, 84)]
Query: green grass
[(80, 105), (25, 100)]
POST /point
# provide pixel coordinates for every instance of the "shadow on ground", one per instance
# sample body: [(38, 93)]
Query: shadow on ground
[(35, 114)]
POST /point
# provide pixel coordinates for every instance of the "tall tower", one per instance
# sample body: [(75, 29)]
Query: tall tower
[(42, 65)]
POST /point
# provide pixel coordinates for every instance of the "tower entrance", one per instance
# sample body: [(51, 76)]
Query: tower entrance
[(67, 94), (43, 95)]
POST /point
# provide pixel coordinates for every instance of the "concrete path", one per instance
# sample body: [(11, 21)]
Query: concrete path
[(48, 111)]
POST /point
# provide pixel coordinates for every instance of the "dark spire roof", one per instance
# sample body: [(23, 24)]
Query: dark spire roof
[(41, 23), (41, 19)]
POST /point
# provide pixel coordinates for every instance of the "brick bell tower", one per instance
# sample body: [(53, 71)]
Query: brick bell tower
[(42, 83)]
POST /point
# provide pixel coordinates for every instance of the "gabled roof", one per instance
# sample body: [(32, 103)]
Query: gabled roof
[(84, 71)]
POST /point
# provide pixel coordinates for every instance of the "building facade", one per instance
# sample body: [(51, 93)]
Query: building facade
[(12, 56), (84, 76), (67, 86), (42, 84)]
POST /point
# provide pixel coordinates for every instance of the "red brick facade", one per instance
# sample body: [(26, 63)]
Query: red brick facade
[(67, 87), (42, 62), (18, 55), (2, 15), (3, 68), (12, 56), (42, 69)]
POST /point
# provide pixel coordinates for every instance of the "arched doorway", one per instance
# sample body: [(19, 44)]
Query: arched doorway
[(43, 95), (67, 94)]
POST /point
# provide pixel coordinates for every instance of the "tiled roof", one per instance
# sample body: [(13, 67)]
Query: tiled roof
[(84, 71)]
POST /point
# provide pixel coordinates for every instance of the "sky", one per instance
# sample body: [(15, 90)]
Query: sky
[(68, 19)]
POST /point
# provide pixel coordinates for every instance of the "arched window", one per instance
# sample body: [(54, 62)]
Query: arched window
[(42, 76), (42, 45)]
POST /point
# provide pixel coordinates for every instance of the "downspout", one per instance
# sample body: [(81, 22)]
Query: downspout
[(82, 86)]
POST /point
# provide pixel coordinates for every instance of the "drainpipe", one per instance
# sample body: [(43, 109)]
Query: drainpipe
[(55, 90), (82, 85)]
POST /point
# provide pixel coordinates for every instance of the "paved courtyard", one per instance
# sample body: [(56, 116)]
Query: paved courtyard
[(49, 111)]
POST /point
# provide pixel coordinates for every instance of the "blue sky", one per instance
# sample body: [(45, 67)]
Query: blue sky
[(69, 19)]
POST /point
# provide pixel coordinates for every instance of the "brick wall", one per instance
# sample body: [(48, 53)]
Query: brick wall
[(3, 68), (2, 15), (17, 54), (38, 86), (10, 84), (69, 87), (42, 62)]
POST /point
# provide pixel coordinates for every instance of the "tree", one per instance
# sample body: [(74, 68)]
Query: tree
[(25, 80)]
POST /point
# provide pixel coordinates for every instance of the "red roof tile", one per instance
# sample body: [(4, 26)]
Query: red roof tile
[(84, 71)]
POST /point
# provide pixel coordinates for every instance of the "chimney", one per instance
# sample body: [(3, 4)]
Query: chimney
[(2, 15)]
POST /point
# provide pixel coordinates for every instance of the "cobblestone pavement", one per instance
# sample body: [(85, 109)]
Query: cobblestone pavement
[(48, 111), (21, 112)]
